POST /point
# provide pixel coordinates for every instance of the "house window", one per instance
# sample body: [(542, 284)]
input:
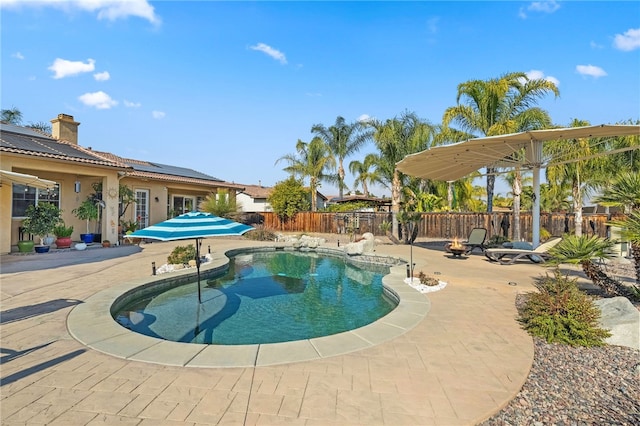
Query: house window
[(142, 208), (182, 205), (25, 196)]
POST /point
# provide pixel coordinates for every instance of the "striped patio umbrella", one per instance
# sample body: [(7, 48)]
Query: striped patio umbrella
[(192, 225)]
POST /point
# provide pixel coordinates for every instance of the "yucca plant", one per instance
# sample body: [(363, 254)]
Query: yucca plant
[(583, 251)]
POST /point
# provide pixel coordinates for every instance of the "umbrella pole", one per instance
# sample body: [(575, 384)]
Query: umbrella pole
[(198, 268)]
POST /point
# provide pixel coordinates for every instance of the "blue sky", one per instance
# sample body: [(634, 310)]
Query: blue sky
[(227, 88)]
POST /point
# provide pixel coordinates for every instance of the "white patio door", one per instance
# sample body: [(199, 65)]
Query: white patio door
[(142, 208)]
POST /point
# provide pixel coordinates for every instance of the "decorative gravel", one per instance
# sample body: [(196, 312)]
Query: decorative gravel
[(577, 386)]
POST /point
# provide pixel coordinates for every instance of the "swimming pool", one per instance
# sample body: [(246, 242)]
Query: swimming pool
[(264, 297)]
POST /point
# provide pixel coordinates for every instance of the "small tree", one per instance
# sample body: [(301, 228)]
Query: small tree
[(288, 198), (88, 211), (41, 219)]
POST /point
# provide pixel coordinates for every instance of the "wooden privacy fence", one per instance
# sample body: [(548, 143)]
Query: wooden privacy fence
[(432, 225)]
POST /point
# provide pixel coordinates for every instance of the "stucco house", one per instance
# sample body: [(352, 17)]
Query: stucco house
[(161, 190), (253, 199)]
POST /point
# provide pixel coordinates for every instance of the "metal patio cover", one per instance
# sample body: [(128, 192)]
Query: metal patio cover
[(452, 162), (25, 179)]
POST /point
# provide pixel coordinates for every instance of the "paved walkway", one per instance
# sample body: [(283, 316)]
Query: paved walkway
[(459, 365)]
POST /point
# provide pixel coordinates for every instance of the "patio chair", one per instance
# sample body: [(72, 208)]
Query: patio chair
[(508, 256), (476, 239)]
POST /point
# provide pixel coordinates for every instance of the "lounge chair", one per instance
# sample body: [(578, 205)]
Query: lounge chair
[(476, 239), (508, 256)]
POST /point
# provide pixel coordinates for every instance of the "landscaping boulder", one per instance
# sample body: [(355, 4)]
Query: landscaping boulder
[(622, 319)]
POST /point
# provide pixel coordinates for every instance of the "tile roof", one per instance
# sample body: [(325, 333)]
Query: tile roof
[(257, 191), (31, 142), (26, 141)]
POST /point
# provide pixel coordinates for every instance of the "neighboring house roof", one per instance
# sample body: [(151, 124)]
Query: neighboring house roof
[(348, 198), (26, 141), (257, 191), (168, 173)]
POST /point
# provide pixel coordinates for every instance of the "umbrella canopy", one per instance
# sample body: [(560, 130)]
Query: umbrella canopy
[(452, 162), (196, 225), (191, 225), (24, 179)]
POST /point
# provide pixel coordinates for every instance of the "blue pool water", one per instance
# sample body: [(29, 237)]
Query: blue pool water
[(265, 297)]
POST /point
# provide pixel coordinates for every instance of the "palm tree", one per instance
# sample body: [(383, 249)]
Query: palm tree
[(630, 231), (581, 175), (500, 106), (625, 192), (365, 172), (395, 138), (11, 116), (311, 161), (583, 250), (343, 140)]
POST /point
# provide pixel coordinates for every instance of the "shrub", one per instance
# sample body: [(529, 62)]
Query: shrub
[(182, 254), (496, 241), (561, 313), (427, 280), (261, 233)]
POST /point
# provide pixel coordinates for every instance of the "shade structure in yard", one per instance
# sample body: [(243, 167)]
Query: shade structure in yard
[(452, 162), (192, 225)]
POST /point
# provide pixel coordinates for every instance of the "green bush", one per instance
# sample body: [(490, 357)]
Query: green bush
[(260, 233), (561, 313), (182, 254)]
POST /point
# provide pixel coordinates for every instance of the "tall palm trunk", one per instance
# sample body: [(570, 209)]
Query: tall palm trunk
[(577, 205), (610, 286), (517, 191), (341, 174), (635, 252), (491, 182), (395, 203)]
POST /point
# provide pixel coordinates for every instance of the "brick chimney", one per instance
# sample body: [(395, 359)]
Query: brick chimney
[(65, 128)]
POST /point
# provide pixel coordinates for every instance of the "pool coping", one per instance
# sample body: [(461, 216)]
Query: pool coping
[(91, 324)]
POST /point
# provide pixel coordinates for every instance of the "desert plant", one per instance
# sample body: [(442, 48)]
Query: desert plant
[(561, 313), (496, 241), (182, 254), (41, 219), (427, 280), (62, 231), (583, 251), (261, 233)]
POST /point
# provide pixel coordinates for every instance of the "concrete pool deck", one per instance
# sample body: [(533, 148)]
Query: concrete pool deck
[(457, 364)]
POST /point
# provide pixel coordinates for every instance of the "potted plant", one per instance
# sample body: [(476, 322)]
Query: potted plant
[(106, 243), (88, 211), (63, 235), (40, 220)]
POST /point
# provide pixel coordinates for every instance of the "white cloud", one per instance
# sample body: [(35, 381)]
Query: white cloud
[(63, 68), (17, 55), (591, 70), (595, 45), (130, 104), (102, 76), (432, 25), (158, 115), (628, 41), (274, 53), (364, 118), (539, 75), (98, 100), (546, 6), (110, 10)]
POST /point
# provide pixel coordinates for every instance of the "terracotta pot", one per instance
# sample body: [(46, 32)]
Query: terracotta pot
[(63, 242), (106, 244)]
